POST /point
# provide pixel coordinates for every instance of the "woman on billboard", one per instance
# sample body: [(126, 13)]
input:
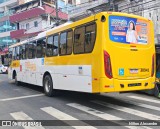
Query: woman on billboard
[(131, 36)]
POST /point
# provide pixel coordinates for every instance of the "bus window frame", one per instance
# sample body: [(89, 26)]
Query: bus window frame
[(56, 34), (58, 44), (94, 23), (68, 30), (34, 42), (45, 47), (84, 25), (24, 45), (17, 52), (13, 53), (20, 52)]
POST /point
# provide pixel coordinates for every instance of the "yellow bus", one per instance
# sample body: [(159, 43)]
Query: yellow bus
[(105, 52)]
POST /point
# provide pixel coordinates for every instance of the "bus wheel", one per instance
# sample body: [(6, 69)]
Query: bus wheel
[(48, 86)]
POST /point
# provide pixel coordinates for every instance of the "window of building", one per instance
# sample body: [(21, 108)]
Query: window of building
[(35, 24), (66, 43), (27, 26), (69, 1), (41, 47), (32, 50), (84, 38), (22, 26)]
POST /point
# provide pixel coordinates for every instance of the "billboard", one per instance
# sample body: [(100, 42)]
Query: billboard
[(128, 30)]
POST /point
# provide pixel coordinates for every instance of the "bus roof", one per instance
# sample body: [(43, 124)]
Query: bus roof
[(91, 18), (79, 22)]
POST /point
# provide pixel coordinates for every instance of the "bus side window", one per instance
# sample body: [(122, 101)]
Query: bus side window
[(14, 53), (79, 35), (20, 52), (55, 45), (26, 51), (90, 36), (17, 55), (66, 43), (34, 49), (23, 52), (10, 56), (41, 48), (31, 50), (44, 47), (69, 42), (49, 51), (63, 43)]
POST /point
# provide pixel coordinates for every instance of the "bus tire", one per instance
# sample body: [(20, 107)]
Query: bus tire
[(48, 86), (15, 78), (17, 82)]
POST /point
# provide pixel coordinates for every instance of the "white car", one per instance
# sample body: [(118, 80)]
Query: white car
[(3, 69)]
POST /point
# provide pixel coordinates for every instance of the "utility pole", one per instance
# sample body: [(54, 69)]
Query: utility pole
[(40, 3), (112, 5), (57, 17)]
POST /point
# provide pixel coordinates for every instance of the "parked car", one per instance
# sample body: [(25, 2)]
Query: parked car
[(3, 68)]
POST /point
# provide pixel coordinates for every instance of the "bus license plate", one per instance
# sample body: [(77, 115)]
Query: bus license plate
[(133, 71)]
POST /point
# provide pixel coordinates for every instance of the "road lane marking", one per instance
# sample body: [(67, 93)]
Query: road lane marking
[(23, 116), (21, 97), (145, 99), (128, 110), (63, 116), (100, 114)]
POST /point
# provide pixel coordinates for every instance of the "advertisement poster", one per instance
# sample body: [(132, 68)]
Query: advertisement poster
[(128, 30)]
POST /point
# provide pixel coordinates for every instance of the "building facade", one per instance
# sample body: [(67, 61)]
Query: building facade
[(34, 17), (146, 8), (83, 8), (5, 25)]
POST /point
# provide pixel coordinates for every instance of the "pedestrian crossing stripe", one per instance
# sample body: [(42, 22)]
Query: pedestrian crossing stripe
[(144, 99), (128, 110), (63, 116), (23, 116), (60, 115), (100, 114), (141, 105)]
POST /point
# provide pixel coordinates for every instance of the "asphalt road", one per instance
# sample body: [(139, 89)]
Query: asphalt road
[(70, 110)]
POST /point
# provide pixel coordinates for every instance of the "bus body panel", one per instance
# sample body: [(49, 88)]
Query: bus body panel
[(128, 57), (86, 72)]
